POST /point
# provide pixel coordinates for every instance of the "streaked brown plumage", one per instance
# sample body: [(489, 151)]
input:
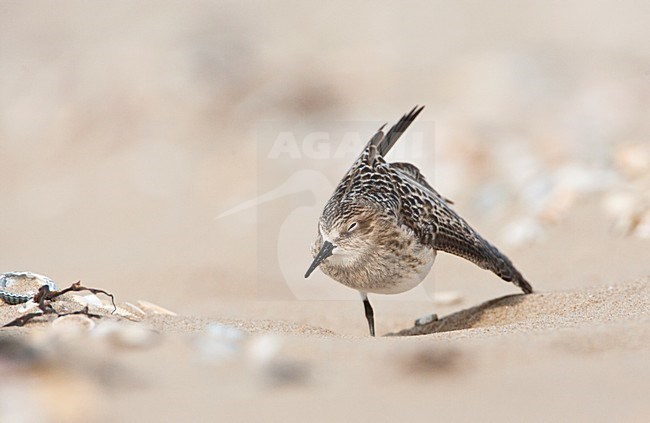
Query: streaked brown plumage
[(380, 230)]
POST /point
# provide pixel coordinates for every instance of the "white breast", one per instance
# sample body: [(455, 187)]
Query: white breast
[(408, 280)]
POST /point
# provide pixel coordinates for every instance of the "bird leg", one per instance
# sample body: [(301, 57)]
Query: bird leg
[(370, 316)]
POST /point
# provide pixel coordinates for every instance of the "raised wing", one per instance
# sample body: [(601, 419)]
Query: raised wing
[(456, 237), (432, 219), (413, 173)]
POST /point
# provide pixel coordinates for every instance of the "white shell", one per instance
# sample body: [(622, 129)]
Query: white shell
[(74, 323), (134, 309), (90, 300), (151, 308)]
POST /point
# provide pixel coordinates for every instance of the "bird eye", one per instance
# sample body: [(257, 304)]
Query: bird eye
[(352, 226)]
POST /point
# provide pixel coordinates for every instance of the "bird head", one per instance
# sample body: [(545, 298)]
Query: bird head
[(347, 234)]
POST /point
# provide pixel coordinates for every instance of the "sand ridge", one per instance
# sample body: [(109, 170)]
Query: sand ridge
[(518, 343)]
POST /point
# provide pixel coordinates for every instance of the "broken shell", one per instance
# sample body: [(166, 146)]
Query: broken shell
[(151, 308), (134, 309), (24, 285), (122, 312), (89, 300), (12, 278)]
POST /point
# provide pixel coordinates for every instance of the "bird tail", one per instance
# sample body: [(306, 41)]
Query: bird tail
[(397, 130)]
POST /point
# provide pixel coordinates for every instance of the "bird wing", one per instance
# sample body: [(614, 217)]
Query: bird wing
[(413, 173), (431, 217), (455, 236)]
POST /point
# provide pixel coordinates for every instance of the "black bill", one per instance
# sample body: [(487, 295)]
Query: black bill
[(325, 252)]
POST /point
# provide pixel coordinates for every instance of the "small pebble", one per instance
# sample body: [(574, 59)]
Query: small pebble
[(424, 320)]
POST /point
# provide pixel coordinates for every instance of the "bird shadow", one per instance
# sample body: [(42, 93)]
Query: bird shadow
[(489, 313)]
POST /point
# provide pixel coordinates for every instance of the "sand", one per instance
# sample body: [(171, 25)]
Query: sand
[(574, 355), (127, 129), (578, 349)]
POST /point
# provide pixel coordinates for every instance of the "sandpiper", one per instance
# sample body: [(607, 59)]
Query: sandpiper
[(381, 229)]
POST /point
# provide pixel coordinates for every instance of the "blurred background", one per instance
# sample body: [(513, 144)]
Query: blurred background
[(130, 130)]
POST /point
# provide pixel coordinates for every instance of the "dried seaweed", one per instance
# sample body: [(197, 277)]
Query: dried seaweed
[(44, 297)]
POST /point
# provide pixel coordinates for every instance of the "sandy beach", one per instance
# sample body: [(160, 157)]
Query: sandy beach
[(178, 156), (574, 354)]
